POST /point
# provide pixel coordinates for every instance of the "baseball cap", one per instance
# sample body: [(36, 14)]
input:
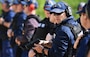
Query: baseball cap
[(48, 4), (83, 10), (18, 2), (80, 6), (14, 2), (8, 2), (5, 1), (35, 3), (32, 2), (28, 3), (23, 2), (58, 7)]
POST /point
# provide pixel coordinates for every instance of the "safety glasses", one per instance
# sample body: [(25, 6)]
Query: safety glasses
[(56, 13)]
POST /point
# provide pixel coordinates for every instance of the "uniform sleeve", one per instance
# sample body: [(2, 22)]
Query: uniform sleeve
[(10, 17), (60, 45)]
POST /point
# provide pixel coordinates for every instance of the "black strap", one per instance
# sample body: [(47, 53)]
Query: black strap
[(33, 16)]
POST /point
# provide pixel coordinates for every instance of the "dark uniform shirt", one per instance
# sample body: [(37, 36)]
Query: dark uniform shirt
[(7, 16), (18, 23), (82, 47), (45, 27), (63, 40)]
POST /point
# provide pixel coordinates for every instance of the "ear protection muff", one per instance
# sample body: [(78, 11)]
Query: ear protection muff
[(68, 10), (31, 7)]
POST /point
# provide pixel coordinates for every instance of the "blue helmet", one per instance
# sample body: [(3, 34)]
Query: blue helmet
[(48, 4)]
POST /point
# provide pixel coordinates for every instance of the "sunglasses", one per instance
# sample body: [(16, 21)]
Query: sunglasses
[(56, 13)]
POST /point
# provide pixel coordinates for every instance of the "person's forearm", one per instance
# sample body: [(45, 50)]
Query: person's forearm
[(6, 24)]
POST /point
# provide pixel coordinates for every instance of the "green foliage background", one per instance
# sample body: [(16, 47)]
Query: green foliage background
[(72, 3)]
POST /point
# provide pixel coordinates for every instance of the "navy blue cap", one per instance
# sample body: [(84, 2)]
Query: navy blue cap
[(35, 3), (80, 6), (58, 7), (5, 1), (23, 2), (28, 3), (18, 2), (15, 2), (83, 10), (8, 2), (32, 2), (49, 4)]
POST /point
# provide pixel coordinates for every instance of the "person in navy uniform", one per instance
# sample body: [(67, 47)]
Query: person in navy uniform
[(16, 28), (45, 26), (30, 24), (80, 6), (88, 10), (64, 38), (5, 21), (84, 40), (32, 20)]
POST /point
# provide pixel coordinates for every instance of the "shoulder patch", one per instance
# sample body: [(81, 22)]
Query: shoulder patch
[(41, 25)]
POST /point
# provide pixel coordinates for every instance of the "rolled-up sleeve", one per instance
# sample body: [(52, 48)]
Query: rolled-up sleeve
[(60, 45)]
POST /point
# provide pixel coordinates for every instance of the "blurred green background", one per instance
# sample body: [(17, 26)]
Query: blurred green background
[(72, 3)]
